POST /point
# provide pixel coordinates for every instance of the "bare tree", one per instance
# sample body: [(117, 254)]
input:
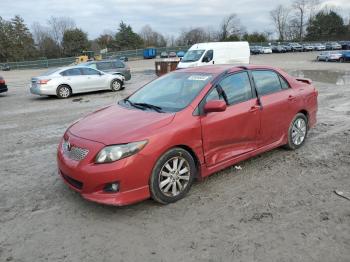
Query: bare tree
[(58, 25), (151, 37), (230, 26), (279, 16), (304, 9)]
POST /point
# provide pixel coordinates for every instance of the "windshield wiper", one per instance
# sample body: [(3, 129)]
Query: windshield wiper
[(150, 106), (133, 104)]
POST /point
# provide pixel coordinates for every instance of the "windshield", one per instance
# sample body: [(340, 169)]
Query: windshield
[(170, 93), (192, 55)]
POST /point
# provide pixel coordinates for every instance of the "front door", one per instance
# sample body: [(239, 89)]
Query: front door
[(233, 132)]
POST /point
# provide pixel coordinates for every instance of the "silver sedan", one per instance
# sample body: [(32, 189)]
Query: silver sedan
[(63, 82)]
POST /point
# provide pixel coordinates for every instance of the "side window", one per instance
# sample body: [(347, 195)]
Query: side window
[(104, 66), (213, 95), (237, 88), (208, 56), (266, 82), (118, 64), (284, 83), (89, 71), (71, 72)]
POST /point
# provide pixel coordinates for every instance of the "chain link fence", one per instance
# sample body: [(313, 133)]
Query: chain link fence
[(57, 62)]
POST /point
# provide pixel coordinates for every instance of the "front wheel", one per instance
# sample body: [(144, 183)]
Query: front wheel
[(297, 132), (116, 85), (172, 176)]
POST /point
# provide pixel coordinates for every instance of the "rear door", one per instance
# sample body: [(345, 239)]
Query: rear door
[(277, 99), (75, 79), (233, 132)]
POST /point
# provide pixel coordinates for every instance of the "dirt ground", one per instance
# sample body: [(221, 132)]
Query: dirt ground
[(279, 207)]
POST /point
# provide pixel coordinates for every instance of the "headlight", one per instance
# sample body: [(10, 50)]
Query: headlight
[(116, 152)]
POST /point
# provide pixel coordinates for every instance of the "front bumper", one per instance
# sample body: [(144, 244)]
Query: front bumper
[(89, 179), (3, 88)]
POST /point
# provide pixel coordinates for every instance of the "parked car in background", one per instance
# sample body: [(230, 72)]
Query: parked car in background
[(3, 86), (172, 54), (180, 54), (255, 50), (65, 81), (345, 45), (333, 46), (308, 47), (5, 67), (266, 50), (114, 67), (319, 47), (202, 54), (345, 56), (287, 48), (329, 56), (296, 47), (278, 49), (123, 58), (153, 144), (164, 54)]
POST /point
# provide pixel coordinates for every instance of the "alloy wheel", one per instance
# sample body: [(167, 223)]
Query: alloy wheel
[(64, 92), (298, 131), (174, 176)]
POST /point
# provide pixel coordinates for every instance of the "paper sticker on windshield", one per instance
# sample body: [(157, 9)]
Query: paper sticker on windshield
[(198, 77)]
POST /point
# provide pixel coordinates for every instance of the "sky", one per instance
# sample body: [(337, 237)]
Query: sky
[(165, 16)]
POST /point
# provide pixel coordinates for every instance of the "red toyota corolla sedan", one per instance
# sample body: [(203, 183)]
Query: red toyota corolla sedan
[(185, 125)]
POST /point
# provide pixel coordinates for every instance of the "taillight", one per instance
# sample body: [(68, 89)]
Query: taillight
[(2, 81), (44, 81)]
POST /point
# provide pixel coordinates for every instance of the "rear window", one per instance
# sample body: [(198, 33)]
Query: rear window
[(118, 64)]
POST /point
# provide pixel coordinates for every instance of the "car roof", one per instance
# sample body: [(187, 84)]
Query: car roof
[(218, 69)]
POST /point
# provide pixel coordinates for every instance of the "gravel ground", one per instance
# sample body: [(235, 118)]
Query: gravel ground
[(279, 207)]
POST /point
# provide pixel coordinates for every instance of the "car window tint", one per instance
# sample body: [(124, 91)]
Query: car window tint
[(104, 66), (266, 82), (213, 95), (71, 72), (284, 83), (209, 55), (237, 88), (118, 64), (89, 71)]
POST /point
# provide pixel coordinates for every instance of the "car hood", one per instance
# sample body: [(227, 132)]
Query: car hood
[(116, 124)]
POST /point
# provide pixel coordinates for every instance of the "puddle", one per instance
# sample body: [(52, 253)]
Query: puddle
[(333, 77)]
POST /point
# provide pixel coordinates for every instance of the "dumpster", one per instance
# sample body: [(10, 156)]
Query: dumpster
[(166, 65), (149, 53)]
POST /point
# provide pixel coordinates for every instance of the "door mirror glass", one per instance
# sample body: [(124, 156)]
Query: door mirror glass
[(215, 106)]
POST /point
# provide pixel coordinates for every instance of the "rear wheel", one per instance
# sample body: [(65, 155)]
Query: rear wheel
[(297, 132), (116, 85), (342, 60), (63, 91), (172, 176)]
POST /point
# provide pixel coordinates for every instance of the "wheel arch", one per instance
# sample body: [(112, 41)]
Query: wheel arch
[(194, 156), (67, 85)]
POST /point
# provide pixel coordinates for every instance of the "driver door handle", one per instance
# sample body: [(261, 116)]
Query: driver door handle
[(254, 108)]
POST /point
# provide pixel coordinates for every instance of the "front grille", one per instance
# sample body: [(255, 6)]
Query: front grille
[(73, 152), (75, 183)]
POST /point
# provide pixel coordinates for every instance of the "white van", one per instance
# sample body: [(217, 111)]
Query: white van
[(216, 53)]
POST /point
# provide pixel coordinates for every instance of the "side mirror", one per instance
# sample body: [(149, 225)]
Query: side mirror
[(215, 106)]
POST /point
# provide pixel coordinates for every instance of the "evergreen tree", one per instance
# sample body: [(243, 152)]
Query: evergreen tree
[(126, 38)]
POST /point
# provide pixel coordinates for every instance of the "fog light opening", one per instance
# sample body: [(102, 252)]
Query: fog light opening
[(111, 187)]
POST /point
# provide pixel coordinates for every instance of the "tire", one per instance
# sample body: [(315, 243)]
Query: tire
[(298, 128), (165, 170), (63, 91), (327, 59), (116, 85), (318, 59), (342, 60)]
